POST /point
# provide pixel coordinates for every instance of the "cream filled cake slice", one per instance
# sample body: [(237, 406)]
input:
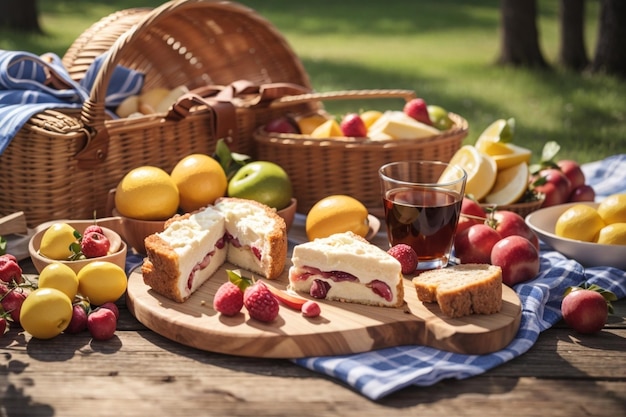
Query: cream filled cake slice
[(256, 236), (345, 267), (185, 254)]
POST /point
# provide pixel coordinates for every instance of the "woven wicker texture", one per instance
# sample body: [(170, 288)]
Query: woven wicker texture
[(323, 167), (62, 165)]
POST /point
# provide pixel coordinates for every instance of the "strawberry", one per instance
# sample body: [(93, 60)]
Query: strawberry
[(311, 309), (10, 270), (406, 256), (228, 299), (417, 109), (101, 323), (260, 302), (12, 301), (353, 126), (94, 245)]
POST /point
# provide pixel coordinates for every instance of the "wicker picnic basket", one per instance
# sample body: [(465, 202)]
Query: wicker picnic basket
[(323, 167), (63, 163)]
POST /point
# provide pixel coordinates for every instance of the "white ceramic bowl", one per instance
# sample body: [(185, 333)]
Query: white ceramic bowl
[(543, 221)]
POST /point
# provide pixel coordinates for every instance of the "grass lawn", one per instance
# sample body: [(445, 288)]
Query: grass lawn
[(444, 50)]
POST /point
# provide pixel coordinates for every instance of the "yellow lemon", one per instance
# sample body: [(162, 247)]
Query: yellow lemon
[(370, 116), (579, 222), (613, 209), (480, 169), (330, 128), (147, 193), (45, 313), (101, 282), (499, 131), (200, 180), (56, 241), (308, 124), (613, 234), (336, 214), (511, 184), (60, 276)]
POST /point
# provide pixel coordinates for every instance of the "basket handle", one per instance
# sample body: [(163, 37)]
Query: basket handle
[(93, 113), (407, 95)]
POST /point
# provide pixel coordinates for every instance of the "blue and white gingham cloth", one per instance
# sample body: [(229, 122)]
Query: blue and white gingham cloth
[(24, 90), (379, 373)]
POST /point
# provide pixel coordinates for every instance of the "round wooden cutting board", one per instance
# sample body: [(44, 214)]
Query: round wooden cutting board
[(342, 328)]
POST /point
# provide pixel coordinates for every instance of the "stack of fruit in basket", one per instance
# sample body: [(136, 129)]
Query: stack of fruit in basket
[(415, 120), (499, 172)]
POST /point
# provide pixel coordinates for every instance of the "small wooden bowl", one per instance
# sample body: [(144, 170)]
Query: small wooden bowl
[(289, 213), (118, 248), (135, 231)]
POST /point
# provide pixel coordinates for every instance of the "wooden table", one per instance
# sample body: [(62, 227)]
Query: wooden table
[(139, 373)]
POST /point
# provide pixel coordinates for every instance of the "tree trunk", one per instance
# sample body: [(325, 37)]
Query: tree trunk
[(573, 54), (610, 56), (519, 35), (19, 15)]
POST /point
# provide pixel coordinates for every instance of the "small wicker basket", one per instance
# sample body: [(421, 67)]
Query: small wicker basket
[(523, 209), (323, 167), (63, 163)]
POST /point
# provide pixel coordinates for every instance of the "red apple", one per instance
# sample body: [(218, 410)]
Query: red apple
[(582, 193), (473, 245), (585, 311), (518, 258), (471, 213), (554, 184), (508, 223), (572, 171), (284, 124)]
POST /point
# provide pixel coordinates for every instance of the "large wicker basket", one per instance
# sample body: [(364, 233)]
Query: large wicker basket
[(323, 167), (62, 164)]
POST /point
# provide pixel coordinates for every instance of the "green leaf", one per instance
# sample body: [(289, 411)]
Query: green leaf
[(508, 131), (239, 280), (230, 161), (3, 245), (550, 149)]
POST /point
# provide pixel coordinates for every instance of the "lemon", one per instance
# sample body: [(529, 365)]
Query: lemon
[(60, 276), (56, 241), (336, 214), (200, 180), (45, 313), (613, 209), (147, 193), (480, 169), (613, 234), (308, 124), (330, 128), (511, 184), (101, 282), (499, 131), (370, 116), (579, 222)]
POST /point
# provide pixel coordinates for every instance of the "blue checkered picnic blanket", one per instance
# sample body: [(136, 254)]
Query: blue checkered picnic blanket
[(30, 84)]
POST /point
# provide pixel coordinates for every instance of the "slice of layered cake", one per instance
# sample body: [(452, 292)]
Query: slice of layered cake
[(346, 267)]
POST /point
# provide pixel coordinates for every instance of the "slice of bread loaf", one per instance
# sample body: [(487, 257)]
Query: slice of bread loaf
[(462, 290)]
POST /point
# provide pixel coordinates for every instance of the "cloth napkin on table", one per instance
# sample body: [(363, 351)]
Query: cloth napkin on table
[(30, 84), (379, 373)]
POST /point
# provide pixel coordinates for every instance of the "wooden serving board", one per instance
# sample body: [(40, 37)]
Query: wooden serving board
[(342, 328)]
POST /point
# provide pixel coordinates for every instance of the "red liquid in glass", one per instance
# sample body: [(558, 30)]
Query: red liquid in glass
[(424, 219)]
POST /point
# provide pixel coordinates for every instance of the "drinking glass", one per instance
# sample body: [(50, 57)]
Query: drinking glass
[(422, 202)]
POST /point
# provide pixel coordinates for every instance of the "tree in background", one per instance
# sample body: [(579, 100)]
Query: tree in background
[(572, 51), (610, 55), (519, 37), (19, 15)]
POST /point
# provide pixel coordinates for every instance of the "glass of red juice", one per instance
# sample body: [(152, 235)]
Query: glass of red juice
[(422, 202)]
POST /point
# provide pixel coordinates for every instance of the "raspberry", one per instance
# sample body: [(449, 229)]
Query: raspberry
[(406, 256), (260, 302), (94, 244), (228, 299)]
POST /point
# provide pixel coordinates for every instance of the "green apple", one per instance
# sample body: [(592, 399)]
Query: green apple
[(439, 116), (262, 181)]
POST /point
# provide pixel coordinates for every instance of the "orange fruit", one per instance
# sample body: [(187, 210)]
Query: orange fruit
[(330, 128), (200, 180), (147, 193), (307, 124)]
